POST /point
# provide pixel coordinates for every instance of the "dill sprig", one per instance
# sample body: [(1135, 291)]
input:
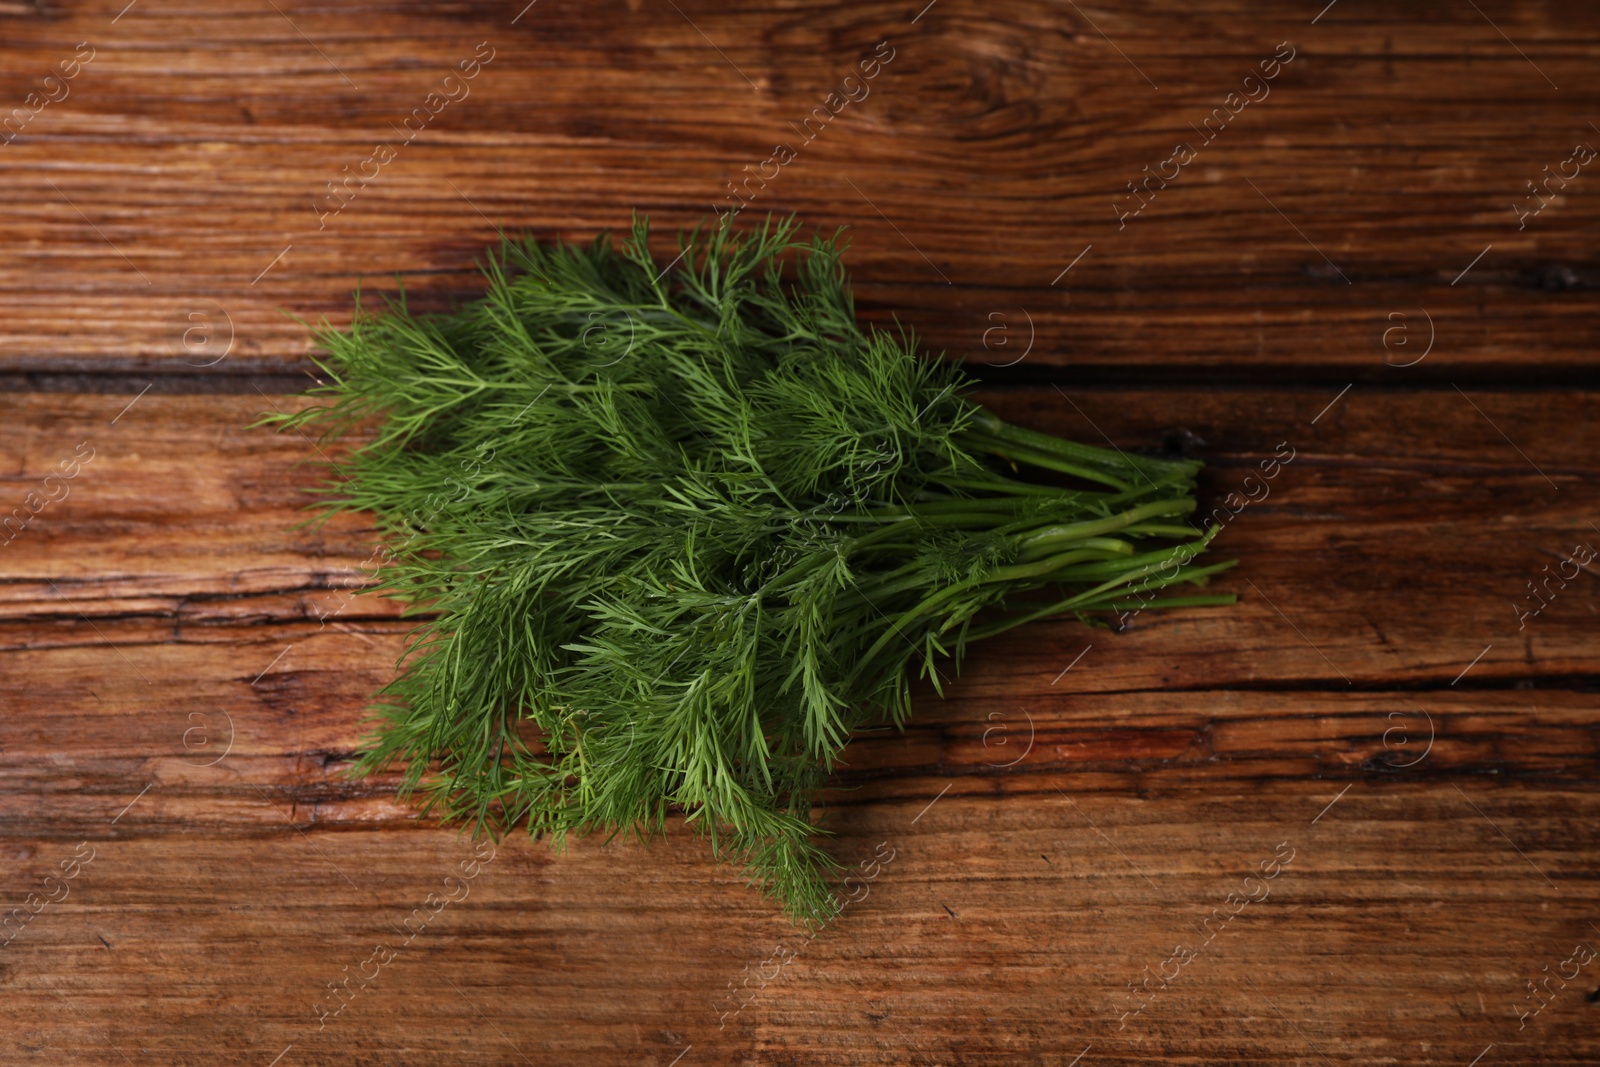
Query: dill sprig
[(678, 531)]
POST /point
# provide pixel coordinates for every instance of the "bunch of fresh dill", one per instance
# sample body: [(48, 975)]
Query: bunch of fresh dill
[(679, 531)]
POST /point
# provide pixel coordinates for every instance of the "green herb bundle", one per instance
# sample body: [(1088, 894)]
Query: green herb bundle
[(679, 529)]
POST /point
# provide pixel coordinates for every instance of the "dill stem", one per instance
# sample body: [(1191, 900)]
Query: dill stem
[(1022, 453), (992, 426), (1053, 535)]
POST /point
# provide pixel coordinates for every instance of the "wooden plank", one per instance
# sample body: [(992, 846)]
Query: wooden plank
[(285, 710), (183, 673), (170, 192), (997, 934), (187, 715), (1393, 548)]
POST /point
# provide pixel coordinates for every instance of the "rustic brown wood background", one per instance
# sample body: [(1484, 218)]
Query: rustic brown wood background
[(1342, 272)]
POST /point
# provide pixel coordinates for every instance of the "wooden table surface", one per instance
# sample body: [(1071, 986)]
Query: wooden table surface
[(1351, 819)]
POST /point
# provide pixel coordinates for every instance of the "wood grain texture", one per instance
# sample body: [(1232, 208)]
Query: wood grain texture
[(183, 163), (183, 670), (192, 672)]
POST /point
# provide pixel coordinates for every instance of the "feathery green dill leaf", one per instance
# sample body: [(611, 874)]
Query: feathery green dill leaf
[(677, 532)]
